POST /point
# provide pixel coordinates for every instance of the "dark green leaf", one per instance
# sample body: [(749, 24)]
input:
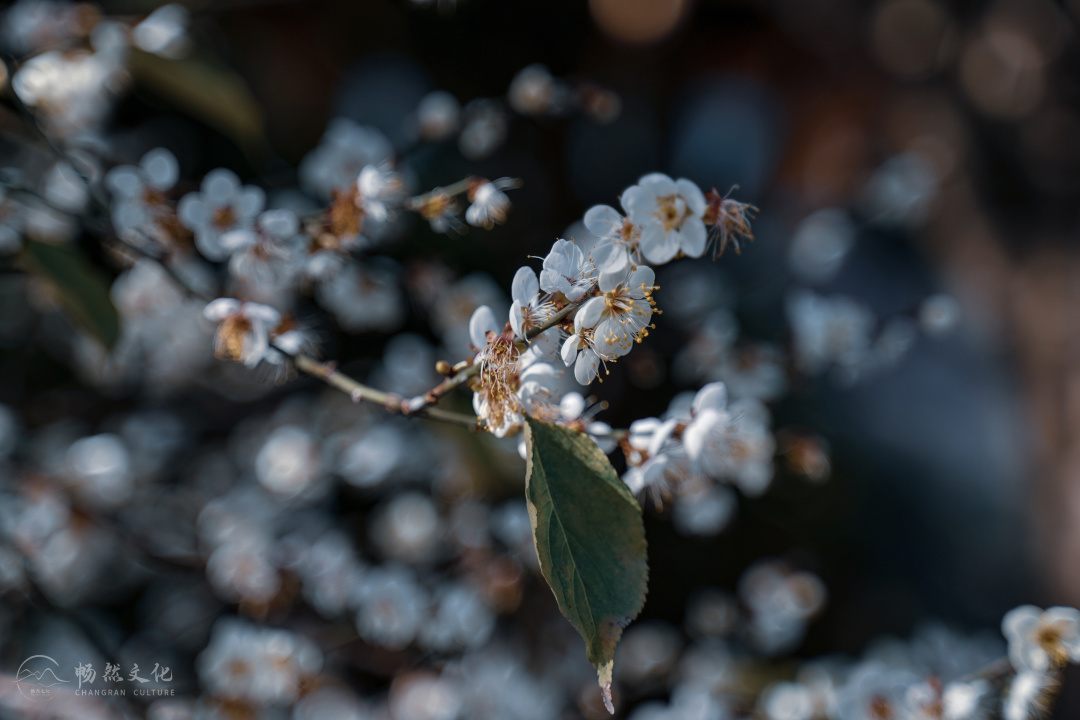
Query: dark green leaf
[(207, 90), (83, 289), (590, 538)]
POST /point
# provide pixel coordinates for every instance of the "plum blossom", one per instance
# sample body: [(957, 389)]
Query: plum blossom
[(164, 32), (1030, 695), (489, 203), (379, 188), (438, 116), (1039, 640), (619, 316), (529, 312), (140, 210), (567, 270), (221, 206), (495, 400), (244, 329), (730, 442), (263, 253), (669, 213), (346, 148), (617, 247)]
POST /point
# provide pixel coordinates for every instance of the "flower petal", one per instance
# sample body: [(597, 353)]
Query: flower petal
[(161, 168), (711, 397), (602, 220), (481, 322), (658, 246), (692, 237), (525, 286), (586, 367), (589, 313), (691, 193), (220, 309)]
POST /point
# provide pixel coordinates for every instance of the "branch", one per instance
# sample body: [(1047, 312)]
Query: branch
[(328, 373)]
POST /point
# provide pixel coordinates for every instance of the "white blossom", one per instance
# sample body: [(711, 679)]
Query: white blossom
[(567, 270), (391, 606), (222, 205), (489, 203), (1040, 640), (620, 315), (438, 116), (669, 213), (616, 249), (244, 329), (164, 32), (346, 148), (730, 442)]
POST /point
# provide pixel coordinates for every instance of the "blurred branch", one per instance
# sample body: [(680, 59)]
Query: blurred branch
[(327, 372)]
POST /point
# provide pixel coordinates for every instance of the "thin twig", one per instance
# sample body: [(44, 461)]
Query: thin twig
[(328, 373)]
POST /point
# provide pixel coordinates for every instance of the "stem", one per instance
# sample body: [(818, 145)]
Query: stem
[(390, 402)]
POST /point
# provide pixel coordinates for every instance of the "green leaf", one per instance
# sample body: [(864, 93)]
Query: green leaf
[(82, 288), (207, 90), (589, 536)]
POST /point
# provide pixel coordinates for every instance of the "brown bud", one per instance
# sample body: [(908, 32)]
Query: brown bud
[(443, 368)]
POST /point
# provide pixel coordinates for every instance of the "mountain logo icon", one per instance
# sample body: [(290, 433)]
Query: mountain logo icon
[(37, 678)]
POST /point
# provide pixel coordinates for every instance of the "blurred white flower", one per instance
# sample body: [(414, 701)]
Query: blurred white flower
[(1040, 640), (260, 665), (391, 606), (1030, 695), (647, 652), (408, 528), (462, 620), (72, 91), (820, 244), (873, 690), (786, 701), (164, 32), (222, 205), (100, 470), (731, 443), (380, 189), (424, 696), (346, 148), (829, 331), (939, 314), (781, 602), (438, 116), (489, 203), (533, 91), (703, 510), (243, 332), (484, 128), (288, 464), (710, 612)]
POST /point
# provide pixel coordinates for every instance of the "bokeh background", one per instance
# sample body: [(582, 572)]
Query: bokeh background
[(944, 136)]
